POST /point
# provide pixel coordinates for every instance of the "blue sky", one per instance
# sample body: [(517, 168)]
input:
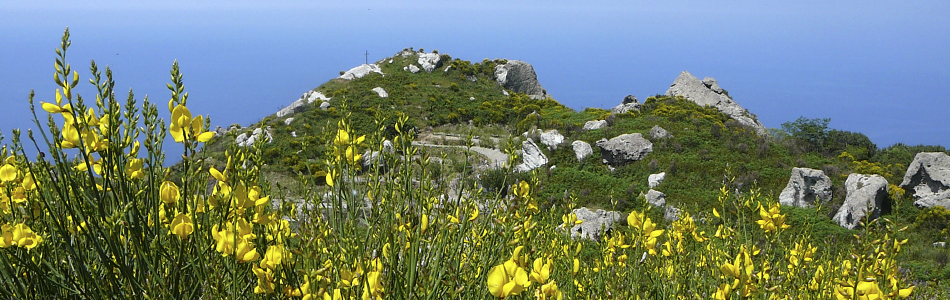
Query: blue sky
[(876, 67)]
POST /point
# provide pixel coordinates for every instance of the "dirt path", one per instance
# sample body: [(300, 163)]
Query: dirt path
[(496, 158)]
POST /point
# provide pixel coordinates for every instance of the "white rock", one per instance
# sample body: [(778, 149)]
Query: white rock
[(707, 92), (532, 156), (324, 105), (413, 69), (582, 150), (300, 104), (361, 70), (504, 92), (288, 120), (655, 179), (390, 61), (806, 188), (245, 140), (552, 139), (671, 214), (381, 92), (429, 61), (928, 179), (656, 198), (940, 244), (471, 98), (624, 148), (598, 124), (595, 223), (866, 197)]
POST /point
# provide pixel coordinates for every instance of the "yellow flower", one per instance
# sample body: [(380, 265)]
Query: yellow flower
[(24, 237), (6, 236), (8, 173), (182, 226), (548, 291), (336, 295), (540, 270), (246, 251), (274, 256), (169, 192), (330, 174), (184, 127), (265, 281), (772, 219), (133, 168), (373, 288), (507, 279)]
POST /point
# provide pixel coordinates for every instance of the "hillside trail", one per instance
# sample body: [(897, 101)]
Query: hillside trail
[(496, 158)]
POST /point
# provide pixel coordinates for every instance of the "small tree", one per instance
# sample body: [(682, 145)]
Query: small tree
[(811, 133)]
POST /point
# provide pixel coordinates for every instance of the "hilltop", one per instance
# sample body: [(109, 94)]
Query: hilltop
[(470, 116)]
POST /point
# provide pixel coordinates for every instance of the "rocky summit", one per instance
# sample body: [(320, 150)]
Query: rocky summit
[(707, 92), (519, 77)]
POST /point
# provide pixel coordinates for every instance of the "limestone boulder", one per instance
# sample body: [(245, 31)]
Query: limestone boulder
[(582, 150), (708, 92), (324, 105), (658, 132), (429, 61), (300, 104), (598, 124), (928, 179), (656, 198), (245, 139), (360, 71), (595, 223), (624, 148), (519, 77), (381, 92), (630, 103), (552, 139), (806, 188), (532, 156), (866, 197), (655, 179)]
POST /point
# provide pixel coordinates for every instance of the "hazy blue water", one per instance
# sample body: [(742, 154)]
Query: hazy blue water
[(872, 67)]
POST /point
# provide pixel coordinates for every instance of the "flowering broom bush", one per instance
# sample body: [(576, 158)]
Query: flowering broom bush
[(102, 218)]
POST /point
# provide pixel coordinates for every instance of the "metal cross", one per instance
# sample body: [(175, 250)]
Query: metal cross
[(367, 57)]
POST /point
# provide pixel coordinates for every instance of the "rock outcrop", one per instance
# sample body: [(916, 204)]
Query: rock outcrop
[(519, 76), (598, 124), (429, 61), (552, 139), (381, 92), (708, 92), (299, 105), (596, 223), (658, 132), (655, 179), (372, 159), (805, 188), (360, 71), (624, 148), (866, 197), (324, 105), (582, 150), (656, 198), (630, 103), (928, 179), (245, 139), (532, 156)]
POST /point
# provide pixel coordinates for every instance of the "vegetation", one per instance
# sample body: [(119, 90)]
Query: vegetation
[(102, 218)]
